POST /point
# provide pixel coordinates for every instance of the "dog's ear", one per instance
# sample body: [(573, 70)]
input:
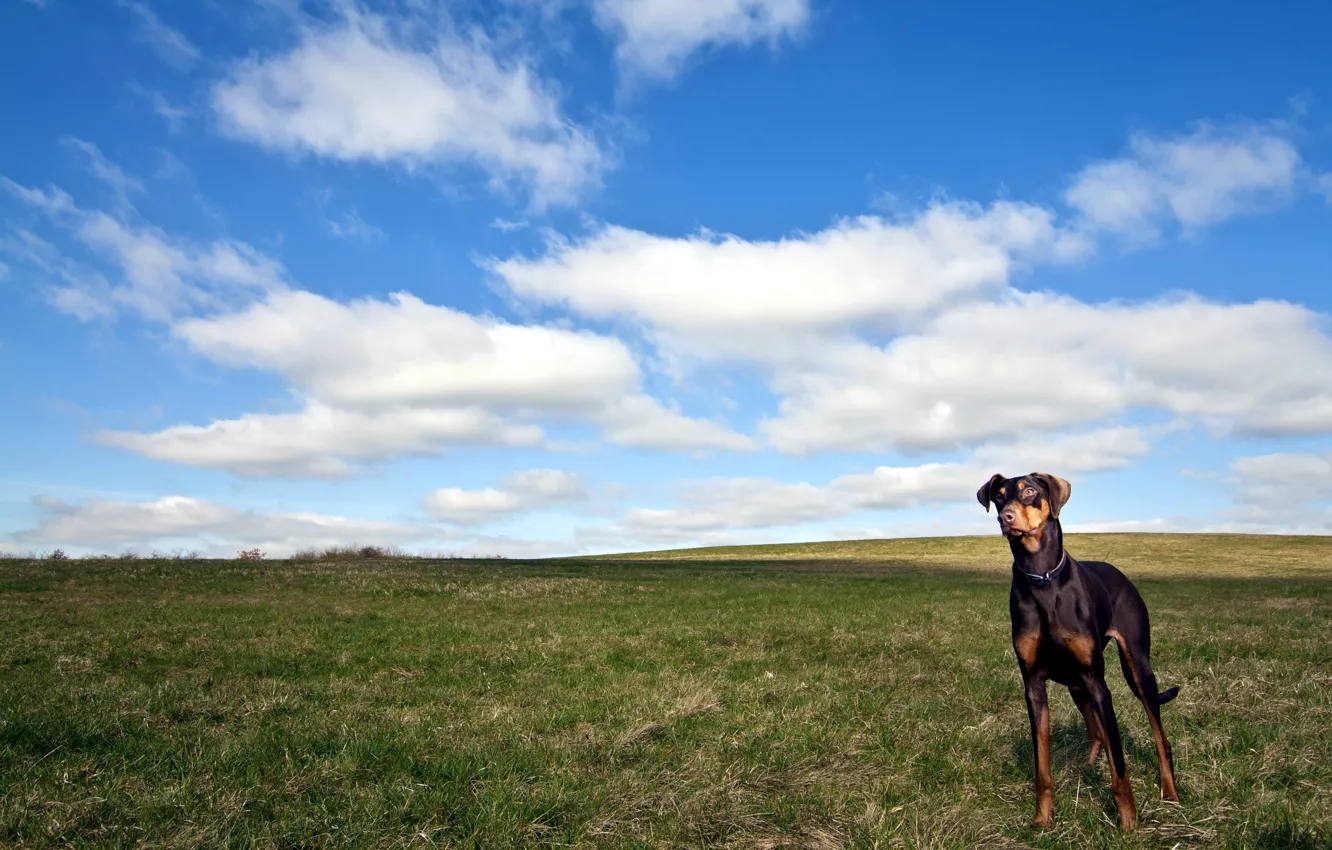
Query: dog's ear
[(983, 494), (1058, 488)]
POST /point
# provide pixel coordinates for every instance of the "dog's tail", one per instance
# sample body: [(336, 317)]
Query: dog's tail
[(1167, 695)]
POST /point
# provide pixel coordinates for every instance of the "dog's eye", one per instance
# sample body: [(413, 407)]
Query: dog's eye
[(1030, 491)]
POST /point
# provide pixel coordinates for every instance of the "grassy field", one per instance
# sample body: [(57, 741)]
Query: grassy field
[(858, 694)]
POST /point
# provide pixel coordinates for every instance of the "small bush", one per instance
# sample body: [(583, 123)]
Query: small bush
[(249, 555), (175, 555), (350, 552), (58, 555)]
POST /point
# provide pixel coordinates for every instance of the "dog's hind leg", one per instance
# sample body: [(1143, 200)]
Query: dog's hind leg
[(1094, 733), (1093, 682), (1134, 660)]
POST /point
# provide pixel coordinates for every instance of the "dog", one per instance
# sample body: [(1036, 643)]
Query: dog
[(1064, 613)]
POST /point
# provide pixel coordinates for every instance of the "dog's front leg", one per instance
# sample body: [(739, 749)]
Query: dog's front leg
[(1038, 711)]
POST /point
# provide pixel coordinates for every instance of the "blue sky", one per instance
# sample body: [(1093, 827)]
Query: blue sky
[(556, 276)]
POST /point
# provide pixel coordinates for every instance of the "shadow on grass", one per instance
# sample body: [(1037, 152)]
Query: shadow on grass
[(1288, 835), (1068, 752)]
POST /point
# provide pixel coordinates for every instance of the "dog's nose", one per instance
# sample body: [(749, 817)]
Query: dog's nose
[(1008, 516)]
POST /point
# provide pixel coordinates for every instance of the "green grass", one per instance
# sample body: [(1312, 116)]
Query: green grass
[(857, 694)]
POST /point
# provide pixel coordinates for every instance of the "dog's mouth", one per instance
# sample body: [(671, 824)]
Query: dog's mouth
[(1010, 531)]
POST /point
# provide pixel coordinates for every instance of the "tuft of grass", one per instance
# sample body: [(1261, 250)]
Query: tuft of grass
[(734, 703)]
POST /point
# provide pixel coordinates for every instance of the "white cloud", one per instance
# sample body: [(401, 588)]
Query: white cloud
[(1156, 525), (357, 91), (164, 277), (724, 505), (52, 200), (170, 45), (81, 302), (1199, 179), (724, 294), (404, 377), (351, 226), (115, 177), (486, 546), (640, 421), (1278, 493), (1036, 362), (45, 262), (407, 378), (405, 351), (890, 487), (320, 441), (535, 488), (970, 358), (157, 275), (1286, 481), (656, 37), (506, 226), (221, 530), (173, 116)]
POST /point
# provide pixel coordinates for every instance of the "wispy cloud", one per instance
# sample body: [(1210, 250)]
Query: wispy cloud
[(535, 488), (655, 38), (170, 44), (350, 225), (222, 530), (152, 273), (111, 174), (1214, 173)]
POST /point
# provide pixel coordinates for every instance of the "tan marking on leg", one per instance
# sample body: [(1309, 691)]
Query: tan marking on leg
[(1123, 793), (1027, 647), (1123, 647), (1164, 760)]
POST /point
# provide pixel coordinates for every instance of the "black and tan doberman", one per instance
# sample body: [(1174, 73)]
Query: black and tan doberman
[(1064, 614)]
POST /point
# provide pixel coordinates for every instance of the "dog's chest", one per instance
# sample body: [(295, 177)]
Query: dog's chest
[(1060, 632)]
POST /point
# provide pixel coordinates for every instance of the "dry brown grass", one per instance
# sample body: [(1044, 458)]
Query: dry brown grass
[(1150, 555)]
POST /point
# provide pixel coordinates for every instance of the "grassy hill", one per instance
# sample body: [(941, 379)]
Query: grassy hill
[(1177, 555), (819, 696)]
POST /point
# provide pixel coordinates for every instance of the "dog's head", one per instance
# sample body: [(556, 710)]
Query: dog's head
[(1026, 504)]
